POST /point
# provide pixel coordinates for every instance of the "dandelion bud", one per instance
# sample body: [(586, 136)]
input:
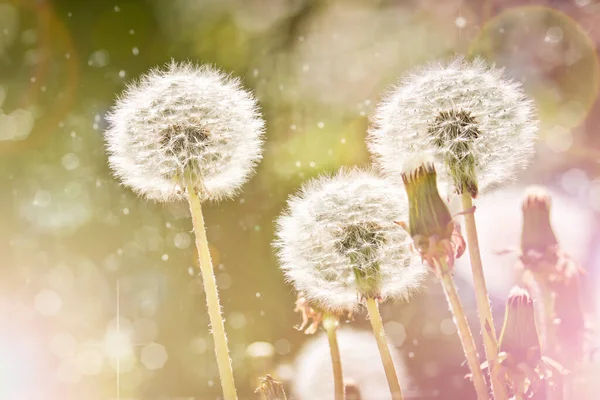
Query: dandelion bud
[(522, 364), (519, 337), (352, 391), (270, 389), (537, 234), (338, 242), (181, 126), (430, 222), (478, 124)]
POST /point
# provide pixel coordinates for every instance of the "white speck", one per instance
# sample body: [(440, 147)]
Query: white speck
[(559, 139), (343, 140), (460, 22), (312, 164), (69, 14), (117, 8), (99, 59), (198, 345), (255, 73), (210, 383), (293, 127), (554, 35), (164, 257), (305, 67), (574, 181), (33, 79), (135, 51), (168, 225), (67, 55), (257, 294), (48, 302), (298, 164), (447, 327), (42, 198), (126, 211), (321, 124), (182, 240), (70, 161), (131, 32), (236, 320), (154, 356), (191, 271), (121, 74)]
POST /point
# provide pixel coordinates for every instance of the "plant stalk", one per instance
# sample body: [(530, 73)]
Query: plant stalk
[(464, 331), (384, 350), (212, 297), (490, 342), (330, 323)]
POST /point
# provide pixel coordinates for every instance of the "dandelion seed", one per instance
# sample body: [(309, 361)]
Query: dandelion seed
[(338, 242), (478, 123)]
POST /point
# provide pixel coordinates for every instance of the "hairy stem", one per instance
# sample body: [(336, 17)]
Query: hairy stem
[(330, 323), (212, 297), (486, 321), (384, 350), (464, 331)]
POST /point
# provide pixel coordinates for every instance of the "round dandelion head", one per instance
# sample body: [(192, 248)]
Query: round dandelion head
[(477, 122), (185, 125), (338, 241)]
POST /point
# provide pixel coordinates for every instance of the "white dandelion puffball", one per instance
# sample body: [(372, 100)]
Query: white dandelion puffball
[(478, 123), (185, 125), (338, 241), (361, 365), (499, 216)]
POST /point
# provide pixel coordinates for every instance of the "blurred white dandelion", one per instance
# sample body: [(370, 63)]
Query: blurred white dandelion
[(183, 125), (338, 242), (360, 362), (476, 121)]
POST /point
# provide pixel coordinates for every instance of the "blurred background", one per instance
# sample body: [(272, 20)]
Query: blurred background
[(99, 297)]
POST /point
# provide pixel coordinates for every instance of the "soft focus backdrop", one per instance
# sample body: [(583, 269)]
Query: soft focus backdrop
[(98, 294)]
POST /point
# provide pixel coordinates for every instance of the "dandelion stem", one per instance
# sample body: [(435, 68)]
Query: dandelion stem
[(490, 343), (464, 331), (212, 297), (556, 389), (330, 323), (384, 350)]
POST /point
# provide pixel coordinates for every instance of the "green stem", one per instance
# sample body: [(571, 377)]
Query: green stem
[(384, 350), (212, 297), (490, 343), (464, 331), (330, 323)]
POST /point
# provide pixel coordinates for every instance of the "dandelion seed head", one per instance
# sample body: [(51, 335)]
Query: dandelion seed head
[(361, 364), (185, 124), (477, 122), (338, 241)]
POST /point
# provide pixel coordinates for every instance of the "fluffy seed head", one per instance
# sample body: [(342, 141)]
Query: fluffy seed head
[(184, 125), (479, 124), (338, 242)]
